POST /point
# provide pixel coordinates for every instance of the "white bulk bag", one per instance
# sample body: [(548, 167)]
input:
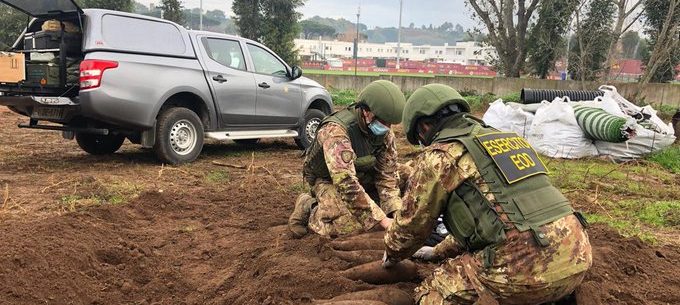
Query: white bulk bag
[(507, 117), (555, 133)]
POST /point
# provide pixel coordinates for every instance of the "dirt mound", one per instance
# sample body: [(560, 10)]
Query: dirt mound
[(231, 248), (166, 249), (628, 271)]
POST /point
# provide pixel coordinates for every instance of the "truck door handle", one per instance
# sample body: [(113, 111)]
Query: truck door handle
[(263, 85), (219, 78)]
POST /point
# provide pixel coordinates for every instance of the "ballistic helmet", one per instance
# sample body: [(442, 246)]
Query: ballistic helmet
[(384, 99), (425, 102)]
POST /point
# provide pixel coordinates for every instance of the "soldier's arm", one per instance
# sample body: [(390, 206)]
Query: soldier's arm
[(339, 157), (386, 180), (422, 204)]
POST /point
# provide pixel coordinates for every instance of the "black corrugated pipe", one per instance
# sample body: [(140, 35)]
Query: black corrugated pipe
[(532, 96)]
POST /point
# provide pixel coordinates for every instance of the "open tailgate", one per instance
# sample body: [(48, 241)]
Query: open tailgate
[(45, 8)]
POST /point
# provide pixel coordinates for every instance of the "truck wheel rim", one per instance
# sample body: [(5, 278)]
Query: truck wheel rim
[(310, 129), (183, 137)]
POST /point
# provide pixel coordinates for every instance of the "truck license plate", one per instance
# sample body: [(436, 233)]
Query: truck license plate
[(47, 113)]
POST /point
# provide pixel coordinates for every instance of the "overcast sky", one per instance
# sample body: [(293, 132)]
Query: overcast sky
[(383, 13)]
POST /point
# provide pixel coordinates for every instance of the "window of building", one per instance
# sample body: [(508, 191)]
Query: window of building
[(422, 51), (459, 52)]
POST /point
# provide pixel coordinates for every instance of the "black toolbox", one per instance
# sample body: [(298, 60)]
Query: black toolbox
[(42, 75), (51, 39)]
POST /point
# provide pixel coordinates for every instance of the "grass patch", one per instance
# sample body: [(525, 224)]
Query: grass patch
[(92, 192), (218, 176), (669, 158), (661, 213), (635, 198), (343, 97), (624, 227), (665, 112), (478, 103)]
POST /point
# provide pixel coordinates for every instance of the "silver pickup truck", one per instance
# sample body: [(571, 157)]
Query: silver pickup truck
[(102, 76)]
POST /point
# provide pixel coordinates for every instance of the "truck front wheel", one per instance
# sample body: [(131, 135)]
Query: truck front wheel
[(307, 132), (179, 136), (99, 144)]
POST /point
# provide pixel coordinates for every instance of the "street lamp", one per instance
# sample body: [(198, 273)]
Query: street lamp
[(356, 44), (200, 17), (401, 4)]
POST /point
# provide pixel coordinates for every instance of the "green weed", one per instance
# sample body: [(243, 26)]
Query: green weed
[(218, 176), (343, 97), (668, 158)]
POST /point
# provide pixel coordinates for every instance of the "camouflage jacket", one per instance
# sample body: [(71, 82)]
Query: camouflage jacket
[(339, 158), (439, 170)]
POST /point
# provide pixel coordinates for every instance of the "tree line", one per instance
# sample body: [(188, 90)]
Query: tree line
[(529, 36)]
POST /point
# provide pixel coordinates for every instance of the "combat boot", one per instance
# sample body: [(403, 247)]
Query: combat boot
[(297, 223)]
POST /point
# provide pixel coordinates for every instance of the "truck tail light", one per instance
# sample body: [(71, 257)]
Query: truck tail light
[(92, 71)]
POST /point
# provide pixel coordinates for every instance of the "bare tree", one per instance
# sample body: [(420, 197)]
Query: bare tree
[(593, 28), (508, 38), (627, 15), (666, 42)]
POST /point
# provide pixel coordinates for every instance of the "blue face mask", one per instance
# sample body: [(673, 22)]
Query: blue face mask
[(377, 128)]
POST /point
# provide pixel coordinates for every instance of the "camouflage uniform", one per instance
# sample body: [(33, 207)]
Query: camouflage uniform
[(344, 204), (519, 271)]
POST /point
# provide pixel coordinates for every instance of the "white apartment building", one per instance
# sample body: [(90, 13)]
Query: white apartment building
[(466, 53)]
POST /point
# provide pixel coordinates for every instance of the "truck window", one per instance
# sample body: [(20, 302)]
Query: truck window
[(266, 63), (226, 52), (133, 34)]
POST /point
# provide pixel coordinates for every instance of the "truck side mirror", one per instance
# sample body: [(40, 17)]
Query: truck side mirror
[(295, 73)]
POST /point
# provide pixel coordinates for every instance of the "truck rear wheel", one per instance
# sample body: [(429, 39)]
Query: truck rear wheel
[(307, 132), (99, 144), (179, 136)]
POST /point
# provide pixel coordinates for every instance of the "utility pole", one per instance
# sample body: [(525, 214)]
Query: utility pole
[(356, 45), (200, 17), (401, 4)]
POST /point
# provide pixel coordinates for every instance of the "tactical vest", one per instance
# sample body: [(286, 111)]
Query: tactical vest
[(365, 146), (529, 201)]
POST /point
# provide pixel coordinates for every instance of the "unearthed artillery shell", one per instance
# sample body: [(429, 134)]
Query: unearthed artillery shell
[(374, 273), (359, 257), (356, 302), (359, 244), (389, 296)]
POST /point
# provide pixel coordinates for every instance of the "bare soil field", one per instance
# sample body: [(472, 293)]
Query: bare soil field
[(123, 229)]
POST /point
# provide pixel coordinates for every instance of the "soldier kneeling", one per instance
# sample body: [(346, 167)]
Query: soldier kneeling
[(514, 237), (351, 167)]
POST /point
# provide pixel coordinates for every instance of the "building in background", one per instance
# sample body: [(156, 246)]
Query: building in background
[(463, 53)]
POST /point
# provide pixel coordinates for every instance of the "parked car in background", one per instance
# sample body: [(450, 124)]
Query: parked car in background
[(105, 76)]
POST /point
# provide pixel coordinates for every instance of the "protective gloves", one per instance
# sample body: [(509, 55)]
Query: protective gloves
[(425, 253)]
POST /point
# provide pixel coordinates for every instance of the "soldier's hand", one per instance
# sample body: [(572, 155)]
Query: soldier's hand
[(386, 222), (425, 253), (388, 262)]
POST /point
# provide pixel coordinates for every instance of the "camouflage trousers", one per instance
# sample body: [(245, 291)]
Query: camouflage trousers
[(331, 217), (460, 280)]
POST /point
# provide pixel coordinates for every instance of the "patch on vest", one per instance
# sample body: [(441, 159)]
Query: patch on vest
[(513, 155), (346, 156)]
